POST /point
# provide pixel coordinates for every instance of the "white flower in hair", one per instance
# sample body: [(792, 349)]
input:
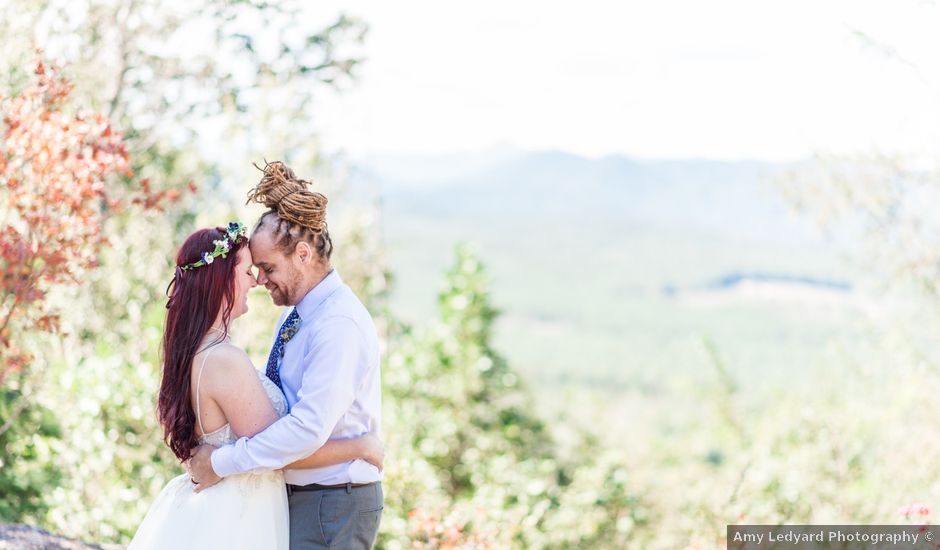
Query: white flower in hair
[(208, 258)]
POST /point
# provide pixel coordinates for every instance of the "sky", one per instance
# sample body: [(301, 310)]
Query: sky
[(723, 79)]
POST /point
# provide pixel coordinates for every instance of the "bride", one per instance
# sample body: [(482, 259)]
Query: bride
[(211, 394)]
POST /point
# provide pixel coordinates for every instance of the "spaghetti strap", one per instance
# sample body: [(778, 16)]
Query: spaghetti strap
[(202, 367)]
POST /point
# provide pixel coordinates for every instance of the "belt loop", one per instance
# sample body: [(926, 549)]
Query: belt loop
[(349, 488), (290, 490)]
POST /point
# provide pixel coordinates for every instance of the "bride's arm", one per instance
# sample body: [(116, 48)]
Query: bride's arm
[(367, 447)]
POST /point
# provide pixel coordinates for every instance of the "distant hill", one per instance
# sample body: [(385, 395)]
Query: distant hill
[(730, 199), (587, 256), (734, 279)]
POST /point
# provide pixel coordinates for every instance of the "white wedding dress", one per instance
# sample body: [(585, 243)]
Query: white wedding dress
[(242, 511)]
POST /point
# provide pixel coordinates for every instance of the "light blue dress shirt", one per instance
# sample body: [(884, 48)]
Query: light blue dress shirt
[(330, 374)]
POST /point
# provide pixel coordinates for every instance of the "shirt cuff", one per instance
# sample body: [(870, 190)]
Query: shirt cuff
[(223, 461)]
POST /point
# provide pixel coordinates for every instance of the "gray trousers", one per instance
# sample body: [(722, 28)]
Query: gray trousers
[(335, 518)]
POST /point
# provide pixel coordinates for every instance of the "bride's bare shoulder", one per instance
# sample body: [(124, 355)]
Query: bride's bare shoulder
[(227, 353), (227, 365)]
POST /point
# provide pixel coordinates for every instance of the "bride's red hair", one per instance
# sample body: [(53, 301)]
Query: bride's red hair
[(195, 298)]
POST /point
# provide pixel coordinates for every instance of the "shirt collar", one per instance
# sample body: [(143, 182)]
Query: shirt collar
[(309, 304)]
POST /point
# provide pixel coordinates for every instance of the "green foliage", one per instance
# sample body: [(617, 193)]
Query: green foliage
[(96, 476), (471, 463), (27, 470)]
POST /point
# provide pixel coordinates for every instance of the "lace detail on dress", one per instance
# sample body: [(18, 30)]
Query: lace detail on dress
[(274, 394), (225, 435)]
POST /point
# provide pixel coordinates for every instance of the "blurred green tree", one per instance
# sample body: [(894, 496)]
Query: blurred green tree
[(472, 463), (57, 164), (189, 85)]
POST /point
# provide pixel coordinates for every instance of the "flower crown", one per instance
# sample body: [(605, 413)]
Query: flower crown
[(233, 232)]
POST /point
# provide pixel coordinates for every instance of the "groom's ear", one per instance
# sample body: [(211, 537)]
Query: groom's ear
[(304, 252)]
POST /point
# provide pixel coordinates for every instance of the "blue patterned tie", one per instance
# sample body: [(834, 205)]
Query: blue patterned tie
[(288, 330)]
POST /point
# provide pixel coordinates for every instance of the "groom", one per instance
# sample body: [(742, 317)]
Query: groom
[(326, 360)]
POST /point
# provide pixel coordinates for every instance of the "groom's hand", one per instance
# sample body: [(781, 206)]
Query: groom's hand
[(373, 450), (200, 469)]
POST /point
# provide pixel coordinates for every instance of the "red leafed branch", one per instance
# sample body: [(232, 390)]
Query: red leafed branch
[(56, 166)]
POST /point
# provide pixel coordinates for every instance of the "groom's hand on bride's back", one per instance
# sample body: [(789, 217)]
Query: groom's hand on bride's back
[(200, 469)]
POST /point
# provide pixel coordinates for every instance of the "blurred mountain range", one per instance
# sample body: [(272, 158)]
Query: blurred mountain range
[(599, 264), (736, 200)]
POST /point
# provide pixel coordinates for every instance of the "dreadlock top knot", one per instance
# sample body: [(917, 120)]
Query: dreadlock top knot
[(282, 191)]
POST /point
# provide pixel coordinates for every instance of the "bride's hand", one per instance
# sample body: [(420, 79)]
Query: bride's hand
[(373, 450), (200, 469)]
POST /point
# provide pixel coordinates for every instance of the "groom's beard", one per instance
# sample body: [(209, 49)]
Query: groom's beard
[(278, 297), (287, 294)]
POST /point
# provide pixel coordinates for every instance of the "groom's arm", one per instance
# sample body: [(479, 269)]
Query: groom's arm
[(326, 393)]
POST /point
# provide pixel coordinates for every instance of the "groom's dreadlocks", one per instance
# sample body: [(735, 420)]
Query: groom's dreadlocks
[(295, 213)]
